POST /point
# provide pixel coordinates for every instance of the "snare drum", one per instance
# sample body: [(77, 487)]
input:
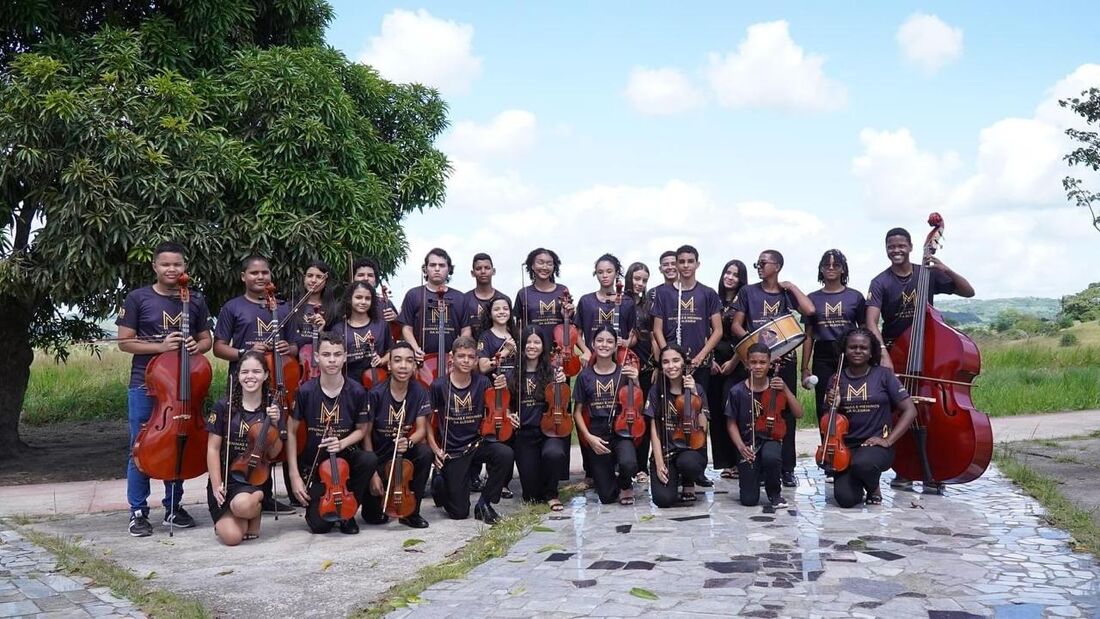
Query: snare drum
[(781, 336)]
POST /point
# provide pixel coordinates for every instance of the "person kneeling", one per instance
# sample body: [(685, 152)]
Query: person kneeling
[(674, 462)]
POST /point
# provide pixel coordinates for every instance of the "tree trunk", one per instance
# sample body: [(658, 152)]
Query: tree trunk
[(16, 355)]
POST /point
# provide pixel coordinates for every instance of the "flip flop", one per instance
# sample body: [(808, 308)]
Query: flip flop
[(874, 499), (626, 500), (556, 505), (250, 536), (727, 474)]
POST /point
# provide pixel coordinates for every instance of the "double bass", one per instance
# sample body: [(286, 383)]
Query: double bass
[(952, 441), (172, 444)]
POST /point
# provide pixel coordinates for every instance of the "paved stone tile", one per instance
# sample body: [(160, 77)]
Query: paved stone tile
[(983, 550)]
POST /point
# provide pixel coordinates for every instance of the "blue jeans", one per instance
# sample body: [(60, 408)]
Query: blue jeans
[(140, 407)]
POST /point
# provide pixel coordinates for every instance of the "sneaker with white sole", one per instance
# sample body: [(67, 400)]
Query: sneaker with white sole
[(181, 519), (139, 525)]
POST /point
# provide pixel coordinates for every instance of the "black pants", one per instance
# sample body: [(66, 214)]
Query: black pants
[(455, 488), (725, 452), (641, 450), (769, 464), (683, 468), (615, 471), (361, 465), (703, 379), (540, 459), (421, 457), (788, 374), (862, 475), (824, 366)]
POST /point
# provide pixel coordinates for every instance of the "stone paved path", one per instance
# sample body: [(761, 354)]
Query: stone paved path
[(982, 551), (30, 585)]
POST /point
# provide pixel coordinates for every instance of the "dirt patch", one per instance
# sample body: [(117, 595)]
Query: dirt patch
[(78, 451), (1073, 463)]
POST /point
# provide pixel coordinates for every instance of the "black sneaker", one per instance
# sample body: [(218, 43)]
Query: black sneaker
[(181, 519), (271, 506), (703, 482), (349, 527), (778, 502), (506, 493), (789, 481), (139, 525), (486, 514), (415, 521), (476, 484)]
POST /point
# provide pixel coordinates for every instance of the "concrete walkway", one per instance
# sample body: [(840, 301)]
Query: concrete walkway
[(86, 497)]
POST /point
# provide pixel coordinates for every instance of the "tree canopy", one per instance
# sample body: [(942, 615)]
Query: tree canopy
[(1087, 153), (225, 125)]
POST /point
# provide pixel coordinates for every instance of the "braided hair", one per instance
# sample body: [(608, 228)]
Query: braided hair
[(876, 347)]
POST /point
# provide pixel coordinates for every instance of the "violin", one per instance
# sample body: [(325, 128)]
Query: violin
[(310, 369), (373, 375), (430, 367), (285, 372), (172, 444), (253, 467), (630, 423), (833, 454), (337, 503), (565, 338), (395, 327), (770, 422), (688, 433), (952, 439), (556, 421), (496, 426), (400, 500)]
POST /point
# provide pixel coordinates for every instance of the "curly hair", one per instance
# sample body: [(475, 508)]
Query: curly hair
[(876, 347)]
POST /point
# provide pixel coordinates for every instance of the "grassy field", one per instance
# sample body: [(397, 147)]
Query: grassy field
[(1018, 376)]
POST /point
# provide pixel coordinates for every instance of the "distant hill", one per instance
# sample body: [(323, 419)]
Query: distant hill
[(983, 311)]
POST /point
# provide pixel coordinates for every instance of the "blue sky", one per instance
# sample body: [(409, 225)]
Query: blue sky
[(881, 113)]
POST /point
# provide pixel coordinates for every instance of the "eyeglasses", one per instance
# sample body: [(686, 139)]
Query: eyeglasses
[(760, 264), (832, 267)]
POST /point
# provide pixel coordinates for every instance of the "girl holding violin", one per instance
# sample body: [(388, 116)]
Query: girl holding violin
[(366, 335), (496, 335), (837, 308), (541, 459), (613, 461), (540, 303), (726, 369), (335, 413), (397, 431), (246, 323), (869, 395), (606, 307), (459, 405), (235, 505), (637, 277), (318, 311), (149, 325), (675, 402), (756, 413)]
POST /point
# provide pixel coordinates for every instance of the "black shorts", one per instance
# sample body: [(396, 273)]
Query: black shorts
[(234, 488)]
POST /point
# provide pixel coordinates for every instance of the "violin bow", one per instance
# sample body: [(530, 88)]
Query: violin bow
[(228, 429), (297, 307), (393, 466)]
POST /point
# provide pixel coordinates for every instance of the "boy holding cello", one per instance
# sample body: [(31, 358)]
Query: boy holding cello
[(334, 410)]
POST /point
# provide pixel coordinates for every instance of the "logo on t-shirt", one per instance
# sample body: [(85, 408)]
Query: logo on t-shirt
[(834, 310), (605, 389), (548, 308), (603, 316), (688, 304), (771, 309), (908, 298), (330, 415), (243, 430), (435, 314), (360, 341), (860, 393), (463, 402), (167, 321), (263, 328)]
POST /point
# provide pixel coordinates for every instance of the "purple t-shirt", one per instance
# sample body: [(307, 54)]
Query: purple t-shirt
[(531, 401), (643, 325), (836, 313), (385, 412), (476, 309), (697, 306), (242, 323), (355, 342), (895, 297), (596, 392), (760, 306), (592, 314), (426, 327), (318, 410), (654, 401), (869, 402), (152, 314), (238, 427), (460, 423), (742, 406), (542, 309)]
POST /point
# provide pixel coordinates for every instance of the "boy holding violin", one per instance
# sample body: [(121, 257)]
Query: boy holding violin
[(334, 410), (148, 325), (459, 405), (397, 425), (753, 407)]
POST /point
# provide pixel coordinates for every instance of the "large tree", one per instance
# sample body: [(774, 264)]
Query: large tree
[(1087, 153), (226, 125)]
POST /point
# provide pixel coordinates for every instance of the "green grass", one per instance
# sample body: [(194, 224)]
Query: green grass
[(75, 559), (1061, 512)]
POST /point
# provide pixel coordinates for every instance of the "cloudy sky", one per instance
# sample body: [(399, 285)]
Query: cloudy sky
[(634, 127)]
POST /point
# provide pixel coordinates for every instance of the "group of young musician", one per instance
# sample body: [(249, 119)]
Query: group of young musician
[(396, 393)]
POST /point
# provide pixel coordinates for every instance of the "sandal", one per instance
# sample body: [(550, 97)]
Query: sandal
[(250, 536), (626, 500), (556, 506), (688, 495), (641, 477), (506, 493), (727, 474), (874, 499)]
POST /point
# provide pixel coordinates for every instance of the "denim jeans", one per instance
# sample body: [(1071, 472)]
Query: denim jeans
[(140, 407)]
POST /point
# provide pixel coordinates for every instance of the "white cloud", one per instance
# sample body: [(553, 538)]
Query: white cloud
[(770, 70), (929, 43), (899, 177), (658, 92), (474, 187), (418, 47), (510, 133)]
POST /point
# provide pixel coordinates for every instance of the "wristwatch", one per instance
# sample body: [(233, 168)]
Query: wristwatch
[(241, 352)]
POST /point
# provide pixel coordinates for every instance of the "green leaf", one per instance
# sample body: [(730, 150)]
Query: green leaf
[(646, 517), (412, 541), (645, 594), (549, 547), (542, 529)]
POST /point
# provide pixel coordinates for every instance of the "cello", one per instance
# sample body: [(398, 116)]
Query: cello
[(285, 372), (435, 362), (172, 444), (373, 375), (630, 423), (565, 337), (496, 426), (688, 433), (952, 441), (556, 422), (833, 454)]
